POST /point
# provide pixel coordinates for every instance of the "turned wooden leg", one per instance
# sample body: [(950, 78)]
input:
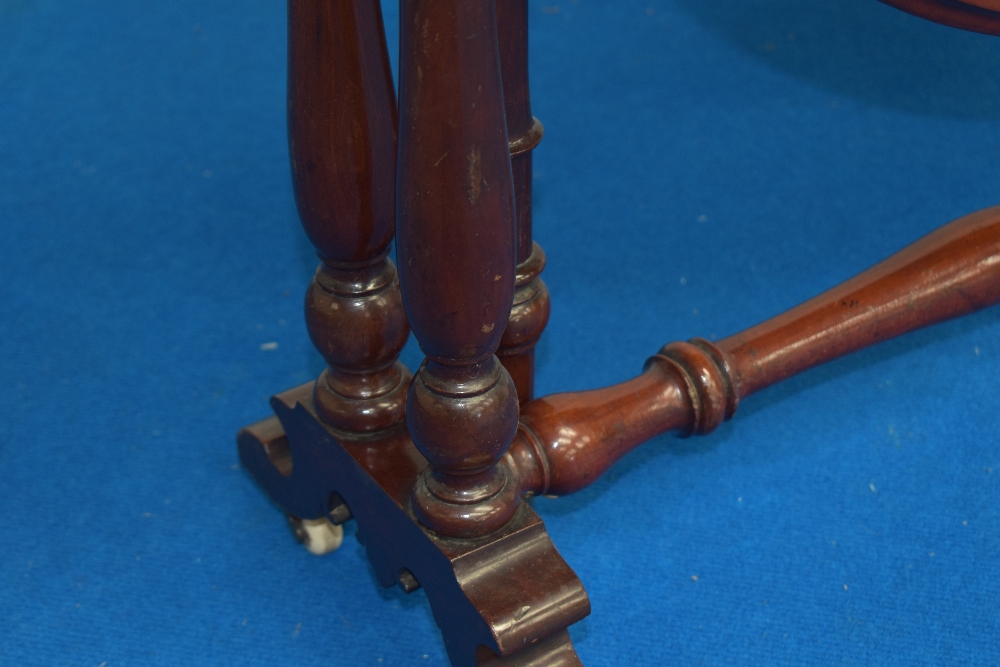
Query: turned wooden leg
[(327, 456), (342, 136), (469, 281), (455, 245), (530, 311)]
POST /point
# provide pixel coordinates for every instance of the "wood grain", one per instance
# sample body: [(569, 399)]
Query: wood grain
[(455, 245), (342, 144), (566, 441)]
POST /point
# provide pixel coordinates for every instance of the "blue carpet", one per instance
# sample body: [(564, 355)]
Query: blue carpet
[(706, 164)]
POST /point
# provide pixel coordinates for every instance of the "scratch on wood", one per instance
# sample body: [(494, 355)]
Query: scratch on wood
[(475, 174)]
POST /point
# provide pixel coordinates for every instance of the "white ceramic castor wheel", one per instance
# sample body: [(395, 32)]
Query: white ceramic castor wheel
[(319, 536)]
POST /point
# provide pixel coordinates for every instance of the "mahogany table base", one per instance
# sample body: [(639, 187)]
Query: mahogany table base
[(436, 476), (508, 594)]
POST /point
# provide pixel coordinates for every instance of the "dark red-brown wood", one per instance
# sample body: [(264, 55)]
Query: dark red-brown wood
[(530, 311), (455, 245), (342, 140), (436, 498), (337, 449), (504, 600), (566, 441), (973, 15)]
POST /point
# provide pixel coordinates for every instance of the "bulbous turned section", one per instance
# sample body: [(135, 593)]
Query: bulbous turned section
[(456, 247), (355, 318), (342, 144), (566, 441), (462, 419), (529, 316), (708, 380)]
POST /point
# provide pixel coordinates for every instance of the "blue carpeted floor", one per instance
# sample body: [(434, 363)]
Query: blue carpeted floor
[(706, 164)]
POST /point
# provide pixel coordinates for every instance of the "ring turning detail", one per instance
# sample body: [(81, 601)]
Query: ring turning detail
[(436, 467)]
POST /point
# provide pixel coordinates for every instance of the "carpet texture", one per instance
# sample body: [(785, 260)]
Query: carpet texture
[(706, 165)]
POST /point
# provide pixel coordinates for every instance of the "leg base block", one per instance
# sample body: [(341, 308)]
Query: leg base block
[(503, 600)]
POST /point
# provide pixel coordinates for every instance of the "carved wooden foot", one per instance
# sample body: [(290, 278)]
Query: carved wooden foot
[(510, 591), (502, 599)]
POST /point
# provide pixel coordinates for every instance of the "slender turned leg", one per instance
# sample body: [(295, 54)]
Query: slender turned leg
[(530, 312), (507, 597), (455, 232), (342, 136)]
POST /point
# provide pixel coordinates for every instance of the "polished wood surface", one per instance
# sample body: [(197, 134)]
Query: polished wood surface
[(950, 272), (503, 600), (566, 441), (436, 506), (506, 598), (455, 246), (530, 311), (973, 15), (342, 141), (434, 471), (529, 314), (523, 129)]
